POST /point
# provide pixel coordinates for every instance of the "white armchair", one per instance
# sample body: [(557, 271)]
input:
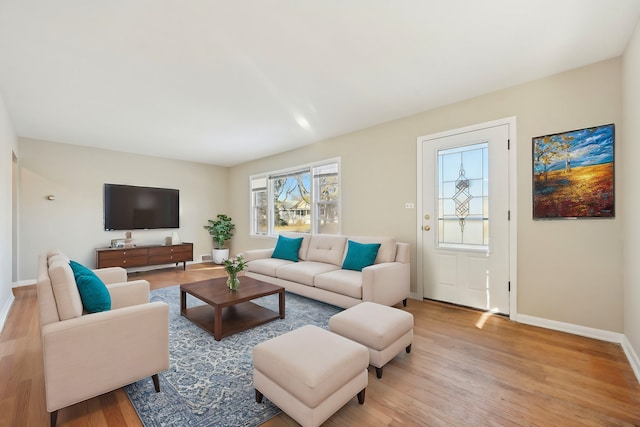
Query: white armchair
[(86, 355)]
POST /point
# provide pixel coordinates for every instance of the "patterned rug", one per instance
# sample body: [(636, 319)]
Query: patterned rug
[(209, 382)]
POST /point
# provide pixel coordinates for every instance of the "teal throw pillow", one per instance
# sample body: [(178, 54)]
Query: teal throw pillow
[(93, 292), (360, 255), (287, 248)]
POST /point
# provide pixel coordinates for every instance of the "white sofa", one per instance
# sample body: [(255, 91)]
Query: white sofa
[(318, 273)]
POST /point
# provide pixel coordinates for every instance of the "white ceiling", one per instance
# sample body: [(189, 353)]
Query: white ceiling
[(227, 81)]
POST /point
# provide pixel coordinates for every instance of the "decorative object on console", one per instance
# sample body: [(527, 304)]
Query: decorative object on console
[(233, 266), (175, 238), (128, 242), (220, 229)]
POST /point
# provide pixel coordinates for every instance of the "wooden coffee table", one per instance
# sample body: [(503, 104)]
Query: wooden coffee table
[(228, 312)]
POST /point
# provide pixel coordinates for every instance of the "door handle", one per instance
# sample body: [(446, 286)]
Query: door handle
[(426, 228)]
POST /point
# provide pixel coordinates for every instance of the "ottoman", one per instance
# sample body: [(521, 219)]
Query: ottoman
[(385, 331), (310, 373)]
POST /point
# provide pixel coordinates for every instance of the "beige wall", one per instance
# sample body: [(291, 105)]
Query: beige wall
[(568, 271), (75, 175), (631, 206), (8, 147)]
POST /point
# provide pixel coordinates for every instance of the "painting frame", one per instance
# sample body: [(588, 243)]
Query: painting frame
[(573, 174)]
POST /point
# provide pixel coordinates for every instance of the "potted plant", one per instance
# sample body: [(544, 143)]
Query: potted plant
[(220, 229)]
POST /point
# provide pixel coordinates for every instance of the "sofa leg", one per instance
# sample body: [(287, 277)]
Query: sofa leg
[(258, 396), (361, 396), (404, 302), (54, 418), (156, 382), (408, 349)]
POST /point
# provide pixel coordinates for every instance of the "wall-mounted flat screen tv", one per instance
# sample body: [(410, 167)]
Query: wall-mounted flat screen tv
[(128, 207)]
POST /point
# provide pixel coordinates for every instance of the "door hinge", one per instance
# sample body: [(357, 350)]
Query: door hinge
[(508, 144), (509, 215), (509, 286)]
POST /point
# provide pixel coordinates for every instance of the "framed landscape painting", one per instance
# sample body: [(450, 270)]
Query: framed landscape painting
[(573, 174)]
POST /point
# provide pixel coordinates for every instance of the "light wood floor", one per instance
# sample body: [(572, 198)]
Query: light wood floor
[(464, 369)]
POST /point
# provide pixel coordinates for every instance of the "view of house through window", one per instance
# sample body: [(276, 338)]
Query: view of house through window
[(303, 199)]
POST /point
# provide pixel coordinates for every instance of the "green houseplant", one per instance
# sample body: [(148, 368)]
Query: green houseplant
[(221, 231)]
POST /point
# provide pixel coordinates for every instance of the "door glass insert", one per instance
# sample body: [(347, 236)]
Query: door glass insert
[(463, 197)]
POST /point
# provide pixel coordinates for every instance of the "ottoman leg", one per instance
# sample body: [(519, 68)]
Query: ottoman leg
[(378, 372), (408, 349), (361, 396), (258, 396)]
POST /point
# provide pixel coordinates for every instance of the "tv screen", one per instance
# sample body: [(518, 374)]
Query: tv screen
[(128, 207)]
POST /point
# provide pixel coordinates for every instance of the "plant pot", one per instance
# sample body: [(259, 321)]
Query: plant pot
[(219, 255)]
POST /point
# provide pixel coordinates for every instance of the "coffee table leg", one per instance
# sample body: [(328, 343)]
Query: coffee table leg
[(217, 326), (281, 295), (183, 302)]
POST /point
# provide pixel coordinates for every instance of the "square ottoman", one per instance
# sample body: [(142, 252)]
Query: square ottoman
[(385, 331), (310, 373)]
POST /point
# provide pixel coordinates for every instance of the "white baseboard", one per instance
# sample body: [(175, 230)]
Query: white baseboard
[(583, 331), (24, 283), (5, 310), (632, 356)]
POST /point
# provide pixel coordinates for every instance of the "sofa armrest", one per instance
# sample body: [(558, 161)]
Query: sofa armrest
[(387, 283), (111, 274), (97, 353), (126, 294), (256, 254)]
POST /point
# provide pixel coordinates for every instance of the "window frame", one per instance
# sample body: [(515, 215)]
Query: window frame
[(267, 177)]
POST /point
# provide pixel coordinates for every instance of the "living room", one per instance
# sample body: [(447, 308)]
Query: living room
[(580, 276)]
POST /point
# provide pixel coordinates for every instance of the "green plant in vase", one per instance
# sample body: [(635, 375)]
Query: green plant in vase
[(233, 266)]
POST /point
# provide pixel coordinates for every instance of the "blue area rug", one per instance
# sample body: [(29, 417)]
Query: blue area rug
[(209, 382)]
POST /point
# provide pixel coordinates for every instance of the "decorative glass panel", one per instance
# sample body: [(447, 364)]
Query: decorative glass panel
[(463, 196)]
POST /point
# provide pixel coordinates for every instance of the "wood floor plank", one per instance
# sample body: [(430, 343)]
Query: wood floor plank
[(465, 368)]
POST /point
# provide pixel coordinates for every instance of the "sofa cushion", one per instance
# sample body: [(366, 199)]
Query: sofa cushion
[(266, 266), (303, 272), (65, 291), (388, 246), (360, 255), (304, 247), (93, 292), (287, 248), (327, 248), (343, 282)]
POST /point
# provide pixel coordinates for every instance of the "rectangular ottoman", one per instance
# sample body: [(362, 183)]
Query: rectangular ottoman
[(310, 373), (385, 331)]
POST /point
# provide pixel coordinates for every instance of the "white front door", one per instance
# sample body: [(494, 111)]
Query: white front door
[(465, 217)]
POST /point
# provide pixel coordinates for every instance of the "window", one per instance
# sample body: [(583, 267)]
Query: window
[(463, 209), (305, 199)]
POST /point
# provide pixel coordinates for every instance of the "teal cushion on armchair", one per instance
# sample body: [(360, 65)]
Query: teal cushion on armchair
[(93, 292)]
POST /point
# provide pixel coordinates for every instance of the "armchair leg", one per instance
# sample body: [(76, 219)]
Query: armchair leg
[(156, 382), (54, 418)]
